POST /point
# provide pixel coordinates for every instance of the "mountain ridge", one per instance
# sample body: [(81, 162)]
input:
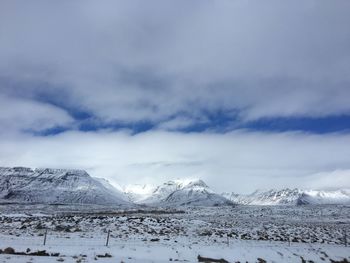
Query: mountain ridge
[(193, 192), (47, 185), (295, 196)]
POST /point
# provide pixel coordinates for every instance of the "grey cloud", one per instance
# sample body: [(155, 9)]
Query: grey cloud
[(167, 164), (133, 61)]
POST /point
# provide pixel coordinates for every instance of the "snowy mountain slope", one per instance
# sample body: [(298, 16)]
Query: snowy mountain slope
[(291, 197), (270, 197), (20, 184), (116, 191), (183, 192), (326, 197), (160, 193), (196, 193)]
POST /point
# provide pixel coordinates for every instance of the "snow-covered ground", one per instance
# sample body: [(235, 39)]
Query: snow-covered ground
[(242, 233), (78, 250)]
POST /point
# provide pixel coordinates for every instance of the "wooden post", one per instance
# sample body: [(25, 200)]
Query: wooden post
[(345, 238), (107, 241), (45, 237)]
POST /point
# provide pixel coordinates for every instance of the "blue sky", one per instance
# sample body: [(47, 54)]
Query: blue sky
[(216, 122), (200, 72)]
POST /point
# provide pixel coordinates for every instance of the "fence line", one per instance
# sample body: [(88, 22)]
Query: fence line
[(48, 238)]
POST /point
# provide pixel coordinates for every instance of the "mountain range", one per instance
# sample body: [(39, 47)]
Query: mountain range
[(177, 193), (66, 186), (291, 197)]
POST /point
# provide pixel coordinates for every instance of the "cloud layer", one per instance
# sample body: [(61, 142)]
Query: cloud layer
[(123, 61), (237, 161)]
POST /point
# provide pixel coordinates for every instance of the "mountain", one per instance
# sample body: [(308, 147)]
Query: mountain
[(270, 197), (291, 197), (326, 197), (63, 186), (116, 191), (182, 192), (21, 184)]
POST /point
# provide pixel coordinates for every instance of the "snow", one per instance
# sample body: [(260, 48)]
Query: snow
[(175, 221), (20, 184), (328, 197), (138, 192), (68, 186), (162, 252), (291, 197), (242, 233), (116, 191), (177, 193)]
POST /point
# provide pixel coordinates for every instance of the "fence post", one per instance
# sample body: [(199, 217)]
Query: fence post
[(45, 234), (107, 241), (345, 238)]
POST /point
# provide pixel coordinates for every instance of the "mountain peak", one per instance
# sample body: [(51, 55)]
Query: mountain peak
[(182, 183), (193, 192), (57, 171)]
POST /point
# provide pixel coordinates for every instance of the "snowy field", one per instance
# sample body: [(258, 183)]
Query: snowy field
[(234, 234)]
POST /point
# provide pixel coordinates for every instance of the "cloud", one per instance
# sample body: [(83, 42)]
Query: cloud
[(181, 122), (239, 161), (176, 65), (329, 180), (124, 61), (19, 115)]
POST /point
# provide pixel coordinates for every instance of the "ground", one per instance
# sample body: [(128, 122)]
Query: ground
[(241, 233)]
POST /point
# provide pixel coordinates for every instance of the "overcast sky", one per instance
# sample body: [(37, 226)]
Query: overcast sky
[(243, 94)]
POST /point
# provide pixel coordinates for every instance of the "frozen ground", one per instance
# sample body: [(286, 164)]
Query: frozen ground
[(243, 233)]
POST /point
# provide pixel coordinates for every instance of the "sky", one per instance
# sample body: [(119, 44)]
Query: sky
[(242, 94)]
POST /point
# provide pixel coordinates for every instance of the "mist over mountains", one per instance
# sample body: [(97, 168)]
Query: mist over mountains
[(66, 186)]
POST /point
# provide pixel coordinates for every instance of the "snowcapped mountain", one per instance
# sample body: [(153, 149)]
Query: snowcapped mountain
[(326, 197), (179, 192), (291, 197), (21, 184), (115, 190), (270, 197)]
